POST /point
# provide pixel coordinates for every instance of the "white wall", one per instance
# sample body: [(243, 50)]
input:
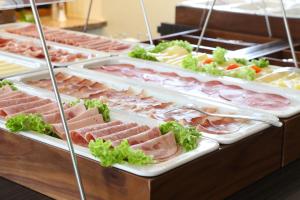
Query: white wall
[(124, 17)]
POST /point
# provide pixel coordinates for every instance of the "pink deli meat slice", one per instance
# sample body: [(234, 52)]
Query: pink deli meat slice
[(41, 109), (7, 111), (11, 102), (13, 95), (161, 148), (141, 137), (78, 136), (69, 113), (86, 114), (58, 128), (107, 131), (126, 133)]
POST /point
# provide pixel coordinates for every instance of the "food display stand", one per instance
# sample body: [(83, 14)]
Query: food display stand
[(219, 166)]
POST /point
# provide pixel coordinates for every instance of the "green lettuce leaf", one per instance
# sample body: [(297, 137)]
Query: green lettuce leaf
[(30, 122), (122, 153), (141, 53), (9, 83), (242, 61), (166, 44), (187, 137), (102, 107), (212, 69), (262, 62), (219, 55), (245, 72), (190, 63)]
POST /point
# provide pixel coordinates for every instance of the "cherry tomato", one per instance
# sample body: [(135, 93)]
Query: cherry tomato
[(257, 69), (208, 61), (232, 66)]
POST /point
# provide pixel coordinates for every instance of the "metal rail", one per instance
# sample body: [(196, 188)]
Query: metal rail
[(88, 16), (146, 22), (57, 96)]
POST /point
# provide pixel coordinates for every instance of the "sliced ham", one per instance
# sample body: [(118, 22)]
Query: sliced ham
[(8, 111), (126, 133), (141, 137), (58, 128), (13, 95), (161, 148), (70, 113), (86, 114), (11, 102), (78, 136), (41, 109), (107, 131)]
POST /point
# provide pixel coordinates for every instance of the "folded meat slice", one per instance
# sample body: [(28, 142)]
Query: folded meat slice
[(8, 111), (5, 90), (11, 102), (161, 148), (70, 113), (13, 95), (59, 130), (78, 136), (86, 114), (107, 131), (141, 137), (126, 133), (42, 109)]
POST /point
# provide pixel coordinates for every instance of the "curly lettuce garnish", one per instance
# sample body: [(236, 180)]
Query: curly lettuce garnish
[(261, 63), (219, 55), (212, 69), (245, 72), (29, 122), (8, 83), (191, 63), (166, 44), (122, 153), (141, 53), (187, 137)]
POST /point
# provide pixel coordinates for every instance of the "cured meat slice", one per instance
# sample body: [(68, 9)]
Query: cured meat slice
[(69, 114), (86, 114), (126, 133), (78, 136), (107, 131), (161, 148), (11, 102), (141, 137), (12, 95), (59, 130), (8, 111), (39, 109)]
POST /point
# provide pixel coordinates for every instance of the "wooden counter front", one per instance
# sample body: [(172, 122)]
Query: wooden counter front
[(48, 170)]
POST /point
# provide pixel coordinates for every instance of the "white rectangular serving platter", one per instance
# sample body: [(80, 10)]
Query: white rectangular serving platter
[(31, 66), (293, 108), (205, 145), (178, 99), (89, 53), (3, 28)]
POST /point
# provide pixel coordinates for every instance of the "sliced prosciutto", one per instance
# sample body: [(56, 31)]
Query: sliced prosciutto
[(161, 148), (215, 89)]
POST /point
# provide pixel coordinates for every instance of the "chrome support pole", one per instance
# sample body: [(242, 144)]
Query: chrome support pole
[(88, 16), (268, 25), (57, 96), (203, 14), (290, 40), (146, 22), (205, 25)]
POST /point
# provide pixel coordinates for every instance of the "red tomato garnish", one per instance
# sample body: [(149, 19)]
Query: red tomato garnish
[(257, 69), (208, 61), (232, 66)]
